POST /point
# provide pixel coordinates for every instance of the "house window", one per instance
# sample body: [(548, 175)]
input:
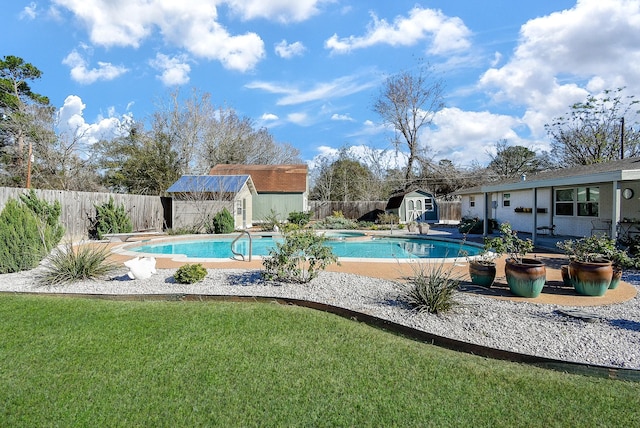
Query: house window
[(580, 201), (506, 199), (472, 201), (588, 199)]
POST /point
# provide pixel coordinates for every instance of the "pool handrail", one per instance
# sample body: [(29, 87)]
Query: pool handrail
[(235, 253)]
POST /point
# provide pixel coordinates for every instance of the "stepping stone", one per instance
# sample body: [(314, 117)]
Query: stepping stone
[(579, 314)]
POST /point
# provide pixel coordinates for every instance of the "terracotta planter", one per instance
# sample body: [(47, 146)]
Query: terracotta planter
[(591, 278), (482, 274), (525, 279), (615, 279)]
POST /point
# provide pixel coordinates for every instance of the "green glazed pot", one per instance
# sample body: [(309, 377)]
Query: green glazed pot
[(482, 274), (591, 278), (615, 279), (525, 279)]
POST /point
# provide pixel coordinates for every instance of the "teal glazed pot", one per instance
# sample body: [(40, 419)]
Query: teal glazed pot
[(525, 279), (591, 278), (615, 280), (482, 274)]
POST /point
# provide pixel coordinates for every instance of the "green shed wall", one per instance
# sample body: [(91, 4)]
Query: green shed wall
[(281, 203)]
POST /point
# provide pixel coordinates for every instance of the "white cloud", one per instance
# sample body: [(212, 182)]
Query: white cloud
[(174, 71), (342, 117), (466, 136), (192, 25), (269, 117), (280, 10), (289, 50), (81, 74), (564, 56), (29, 12), (445, 34), (298, 118), (71, 123), (336, 88)]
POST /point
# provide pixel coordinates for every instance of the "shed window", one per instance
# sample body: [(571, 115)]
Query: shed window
[(428, 204)]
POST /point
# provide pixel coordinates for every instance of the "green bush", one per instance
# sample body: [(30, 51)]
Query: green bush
[(190, 273), (47, 219), (222, 222), (299, 218), (270, 221), (432, 289), (336, 222), (110, 219), (21, 245), (475, 225), (298, 258), (68, 264)]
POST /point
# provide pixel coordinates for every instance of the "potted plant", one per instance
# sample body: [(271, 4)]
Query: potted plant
[(482, 268), (525, 276), (596, 263)]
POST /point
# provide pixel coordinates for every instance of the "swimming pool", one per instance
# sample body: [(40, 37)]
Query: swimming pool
[(383, 247)]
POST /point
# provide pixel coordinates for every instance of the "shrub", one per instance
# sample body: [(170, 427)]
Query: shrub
[(298, 258), (190, 273), (336, 222), (68, 264), (21, 245), (47, 219), (270, 221), (223, 222), (299, 217), (432, 289), (110, 219)]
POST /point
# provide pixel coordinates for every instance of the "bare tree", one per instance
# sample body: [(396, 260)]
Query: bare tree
[(408, 102), (596, 130)]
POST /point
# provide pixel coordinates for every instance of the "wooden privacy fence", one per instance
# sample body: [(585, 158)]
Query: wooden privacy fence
[(449, 210), (78, 208)]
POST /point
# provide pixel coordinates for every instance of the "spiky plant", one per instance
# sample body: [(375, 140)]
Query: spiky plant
[(69, 263), (432, 289)]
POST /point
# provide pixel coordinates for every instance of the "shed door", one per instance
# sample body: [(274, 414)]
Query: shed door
[(417, 207)]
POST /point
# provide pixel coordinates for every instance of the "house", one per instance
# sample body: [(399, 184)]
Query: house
[(281, 189), (197, 198), (577, 201), (417, 205)]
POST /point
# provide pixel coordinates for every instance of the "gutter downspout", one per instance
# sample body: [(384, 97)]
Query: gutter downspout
[(534, 232)]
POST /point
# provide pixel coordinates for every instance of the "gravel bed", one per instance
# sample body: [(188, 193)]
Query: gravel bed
[(611, 338)]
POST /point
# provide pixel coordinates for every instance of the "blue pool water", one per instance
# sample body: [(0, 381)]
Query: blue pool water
[(379, 248)]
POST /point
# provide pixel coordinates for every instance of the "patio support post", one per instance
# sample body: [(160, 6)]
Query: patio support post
[(534, 232), (615, 215), (487, 207)]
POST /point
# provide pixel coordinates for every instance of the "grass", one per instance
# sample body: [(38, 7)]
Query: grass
[(75, 362)]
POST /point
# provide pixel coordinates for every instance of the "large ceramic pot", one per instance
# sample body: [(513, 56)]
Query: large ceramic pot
[(482, 274), (591, 278), (525, 279), (617, 275), (566, 279)]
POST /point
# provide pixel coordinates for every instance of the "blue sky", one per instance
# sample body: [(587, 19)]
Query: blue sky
[(309, 70)]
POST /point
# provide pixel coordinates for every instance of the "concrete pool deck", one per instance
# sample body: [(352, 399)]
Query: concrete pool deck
[(554, 291)]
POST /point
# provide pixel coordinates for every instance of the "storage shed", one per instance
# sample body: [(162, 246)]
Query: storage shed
[(417, 205), (197, 198)]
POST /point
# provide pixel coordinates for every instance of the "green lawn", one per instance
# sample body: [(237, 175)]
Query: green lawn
[(76, 362)]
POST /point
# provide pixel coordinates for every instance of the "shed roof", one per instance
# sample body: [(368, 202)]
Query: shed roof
[(269, 178), (211, 183), (618, 170)]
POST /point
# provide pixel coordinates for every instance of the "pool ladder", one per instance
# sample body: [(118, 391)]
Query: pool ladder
[(235, 253)]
